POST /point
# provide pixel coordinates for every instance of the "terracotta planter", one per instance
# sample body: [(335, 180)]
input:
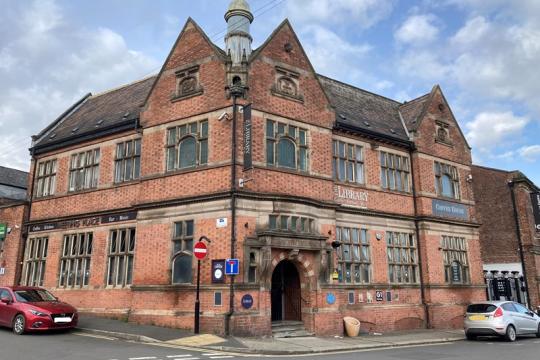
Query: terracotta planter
[(352, 326)]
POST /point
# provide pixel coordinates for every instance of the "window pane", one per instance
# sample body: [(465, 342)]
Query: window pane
[(204, 151), (189, 228), (270, 129), (286, 153), (171, 137), (182, 270), (171, 158), (270, 152), (302, 137), (187, 152), (204, 129), (302, 160)]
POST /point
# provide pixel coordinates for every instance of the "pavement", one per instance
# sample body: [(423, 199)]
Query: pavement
[(263, 345)]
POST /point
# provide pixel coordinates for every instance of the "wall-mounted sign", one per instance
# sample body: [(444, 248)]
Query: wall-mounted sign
[(351, 197), (456, 272), (449, 209), (84, 222), (3, 231), (379, 295), (2, 271), (247, 301), (232, 267), (335, 275), (330, 298), (389, 296), (221, 222), (248, 160), (535, 199), (218, 271)]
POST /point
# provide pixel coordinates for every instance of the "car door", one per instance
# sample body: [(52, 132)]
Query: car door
[(527, 319), (5, 309)]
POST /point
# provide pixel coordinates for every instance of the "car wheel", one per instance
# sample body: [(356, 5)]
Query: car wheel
[(470, 336), (538, 332), (18, 324), (510, 333)]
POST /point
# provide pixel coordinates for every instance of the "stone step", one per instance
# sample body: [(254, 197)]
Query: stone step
[(292, 334), (289, 329)]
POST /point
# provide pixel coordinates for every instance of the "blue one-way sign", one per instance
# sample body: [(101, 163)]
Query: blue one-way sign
[(232, 267)]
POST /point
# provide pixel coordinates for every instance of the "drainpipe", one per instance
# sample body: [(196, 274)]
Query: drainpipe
[(518, 232), (26, 217), (236, 92), (417, 231)]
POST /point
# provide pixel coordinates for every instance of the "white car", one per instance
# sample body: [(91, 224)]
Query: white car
[(500, 318)]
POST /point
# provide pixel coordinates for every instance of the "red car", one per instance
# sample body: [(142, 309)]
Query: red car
[(25, 308)]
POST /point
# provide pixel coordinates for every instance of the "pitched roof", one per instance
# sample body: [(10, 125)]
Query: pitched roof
[(411, 111), (364, 110), (101, 111), (13, 177)]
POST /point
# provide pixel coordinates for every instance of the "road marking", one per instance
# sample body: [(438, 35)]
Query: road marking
[(179, 356), (95, 336), (212, 354), (143, 358), (221, 357)]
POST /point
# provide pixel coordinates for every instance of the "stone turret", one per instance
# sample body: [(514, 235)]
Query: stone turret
[(238, 39)]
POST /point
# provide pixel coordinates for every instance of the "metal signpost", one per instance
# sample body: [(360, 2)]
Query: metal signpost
[(200, 250)]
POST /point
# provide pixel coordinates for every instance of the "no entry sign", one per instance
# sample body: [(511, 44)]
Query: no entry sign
[(200, 250)]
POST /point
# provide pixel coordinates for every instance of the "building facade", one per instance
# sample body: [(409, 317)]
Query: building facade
[(13, 213), (508, 206), (336, 201)]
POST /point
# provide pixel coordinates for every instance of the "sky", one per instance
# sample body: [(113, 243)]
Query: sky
[(484, 54)]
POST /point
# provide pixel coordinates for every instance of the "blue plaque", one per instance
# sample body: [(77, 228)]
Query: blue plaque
[(247, 301), (330, 298), (449, 210)]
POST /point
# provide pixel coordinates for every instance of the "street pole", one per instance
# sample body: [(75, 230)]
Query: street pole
[(197, 300)]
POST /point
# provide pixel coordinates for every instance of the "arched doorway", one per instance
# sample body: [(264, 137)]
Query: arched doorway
[(286, 293)]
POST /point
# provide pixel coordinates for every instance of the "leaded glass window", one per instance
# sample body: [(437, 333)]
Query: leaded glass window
[(402, 256), (182, 252), (187, 145), (286, 146), (354, 260)]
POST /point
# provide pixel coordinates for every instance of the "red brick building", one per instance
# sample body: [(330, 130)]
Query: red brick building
[(354, 204), (13, 213), (509, 234)]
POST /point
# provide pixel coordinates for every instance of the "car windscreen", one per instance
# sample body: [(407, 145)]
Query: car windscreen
[(481, 308), (33, 296)]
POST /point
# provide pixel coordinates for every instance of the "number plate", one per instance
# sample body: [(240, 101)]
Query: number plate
[(62, 320), (477, 317)]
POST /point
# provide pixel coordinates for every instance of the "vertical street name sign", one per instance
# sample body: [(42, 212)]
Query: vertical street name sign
[(535, 200), (246, 145)]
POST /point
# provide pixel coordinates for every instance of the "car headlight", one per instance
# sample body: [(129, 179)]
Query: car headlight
[(37, 313)]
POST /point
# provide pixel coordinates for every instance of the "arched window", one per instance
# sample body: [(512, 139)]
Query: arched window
[(286, 146), (446, 180), (181, 268), (187, 145), (181, 262), (447, 186), (286, 153), (187, 152)]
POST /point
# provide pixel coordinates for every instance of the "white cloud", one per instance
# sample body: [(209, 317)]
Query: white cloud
[(473, 31), (361, 13), (47, 63), (326, 49), (417, 29), (494, 130), (530, 153)]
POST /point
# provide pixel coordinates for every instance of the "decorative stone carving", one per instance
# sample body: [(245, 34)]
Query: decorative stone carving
[(442, 133), (187, 83), (287, 84)]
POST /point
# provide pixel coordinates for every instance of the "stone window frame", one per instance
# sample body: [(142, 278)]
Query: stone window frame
[(402, 254), (35, 260), (183, 75), (178, 134), (183, 240), (46, 178), (291, 223), (442, 171), (84, 170), (393, 167), (252, 262), (115, 255), (278, 131), (77, 252), (350, 160), (442, 133), (358, 261), (292, 77), (128, 156), (454, 249)]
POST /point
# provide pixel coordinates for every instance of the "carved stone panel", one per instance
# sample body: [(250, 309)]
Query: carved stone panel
[(287, 84)]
